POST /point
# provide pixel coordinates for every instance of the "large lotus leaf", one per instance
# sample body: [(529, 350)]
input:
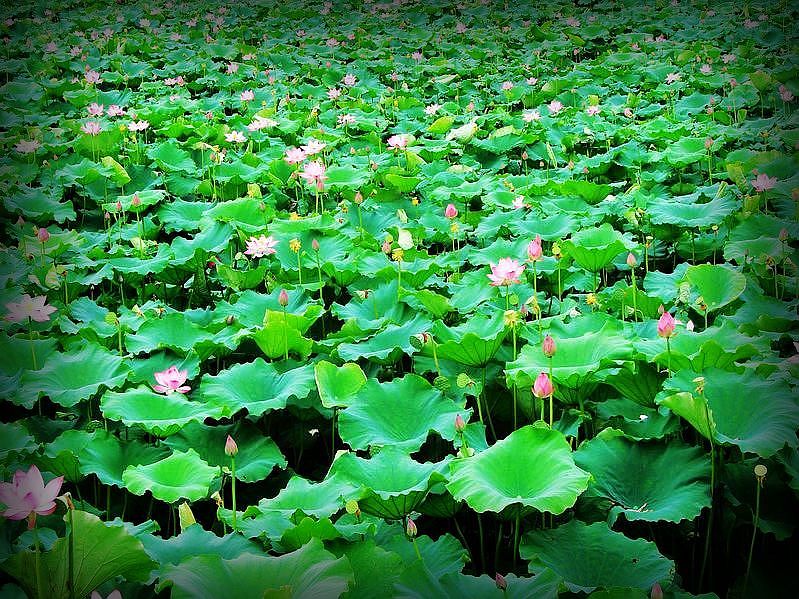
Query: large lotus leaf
[(375, 310), (418, 582), (391, 484), (595, 248), (691, 214), (194, 541), (443, 556), (173, 331), (18, 352), (279, 336), (320, 500), (172, 158), (250, 308), (576, 360), (532, 467), (98, 552), (647, 481), (686, 151), (400, 413), (308, 573), (387, 345), (338, 385), (14, 439), (718, 284), (258, 454), (640, 385), (366, 559), (588, 556), (147, 198), (70, 377), (474, 343), (762, 420), (162, 415), (256, 386), (183, 475), (106, 456), (637, 421)]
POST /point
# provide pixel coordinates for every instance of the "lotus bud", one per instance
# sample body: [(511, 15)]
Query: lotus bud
[(631, 261), (783, 234), (135, 201), (386, 247), (315, 245), (231, 449), (548, 346), (661, 309), (119, 206), (450, 211), (525, 155), (534, 251), (689, 326), (283, 298), (43, 235), (500, 581), (410, 528), (460, 424), (657, 592), (542, 386), (358, 199), (708, 143), (666, 325)]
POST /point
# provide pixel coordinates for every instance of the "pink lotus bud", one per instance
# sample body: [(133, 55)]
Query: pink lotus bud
[(783, 234), (460, 424), (689, 325), (43, 235), (548, 345), (231, 449), (386, 247), (534, 251), (315, 245), (283, 298), (410, 528), (119, 206), (708, 143), (500, 581), (450, 211), (657, 592), (542, 386), (135, 201), (358, 197), (631, 261), (666, 325)]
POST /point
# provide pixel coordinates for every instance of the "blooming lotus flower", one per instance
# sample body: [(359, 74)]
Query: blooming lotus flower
[(346, 119), (25, 146), (534, 251), (294, 155), (432, 109), (171, 380), (95, 109), (666, 325), (333, 93), (542, 387), (460, 27), (139, 125), (232, 67), (314, 146), (29, 307), (555, 106), (786, 95), (92, 77), (450, 211), (27, 495), (258, 247), (260, 122), (763, 182), (115, 110), (314, 173), (417, 56), (507, 85), (506, 272), (349, 80), (247, 95), (593, 110), (91, 128), (235, 137), (518, 202), (397, 142), (672, 77)]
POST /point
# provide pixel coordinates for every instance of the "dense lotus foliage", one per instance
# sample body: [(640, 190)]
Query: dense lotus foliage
[(399, 299)]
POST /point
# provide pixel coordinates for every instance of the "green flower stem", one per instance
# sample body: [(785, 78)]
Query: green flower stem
[(233, 488), (285, 334), (635, 297), (754, 534), (71, 550), (435, 355), (33, 347), (333, 434), (550, 395), (399, 278), (513, 336), (516, 527), (37, 558), (416, 548), (668, 352), (299, 266)]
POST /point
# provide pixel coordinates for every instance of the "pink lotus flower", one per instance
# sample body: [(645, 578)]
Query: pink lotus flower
[(91, 128), (29, 307), (333, 93), (705, 69), (460, 424), (460, 27), (92, 77), (450, 211), (397, 142), (171, 380), (628, 112), (258, 247), (593, 110), (785, 94), (532, 80), (518, 202), (283, 298), (346, 119), (548, 346), (432, 109), (139, 126), (95, 109), (666, 325), (349, 80), (231, 449), (232, 67), (260, 122), (529, 116), (115, 110), (235, 137), (247, 96), (672, 77), (25, 146), (294, 155), (534, 251), (43, 234), (555, 106), (314, 173), (506, 272), (542, 387), (507, 85), (727, 58), (763, 182), (313, 147), (417, 56), (27, 495)]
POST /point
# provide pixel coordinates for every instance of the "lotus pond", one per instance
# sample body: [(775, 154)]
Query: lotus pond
[(407, 299)]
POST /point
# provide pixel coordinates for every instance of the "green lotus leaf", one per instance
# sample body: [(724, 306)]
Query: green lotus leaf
[(170, 157), (279, 336), (306, 573), (338, 385), (761, 421), (320, 500), (14, 440), (595, 248), (106, 456), (196, 541), (172, 331), (256, 386), (691, 214), (147, 198), (443, 556), (686, 151), (473, 343), (258, 454), (718, 284), (73, 376), (400, 413), (98, 551), (577, 358), (387, 345), (637, 421), (605, 559), (182, 475), (17, 353), (532, 467), (366, 558), (161, 415), (391, 484), (647, 481)]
